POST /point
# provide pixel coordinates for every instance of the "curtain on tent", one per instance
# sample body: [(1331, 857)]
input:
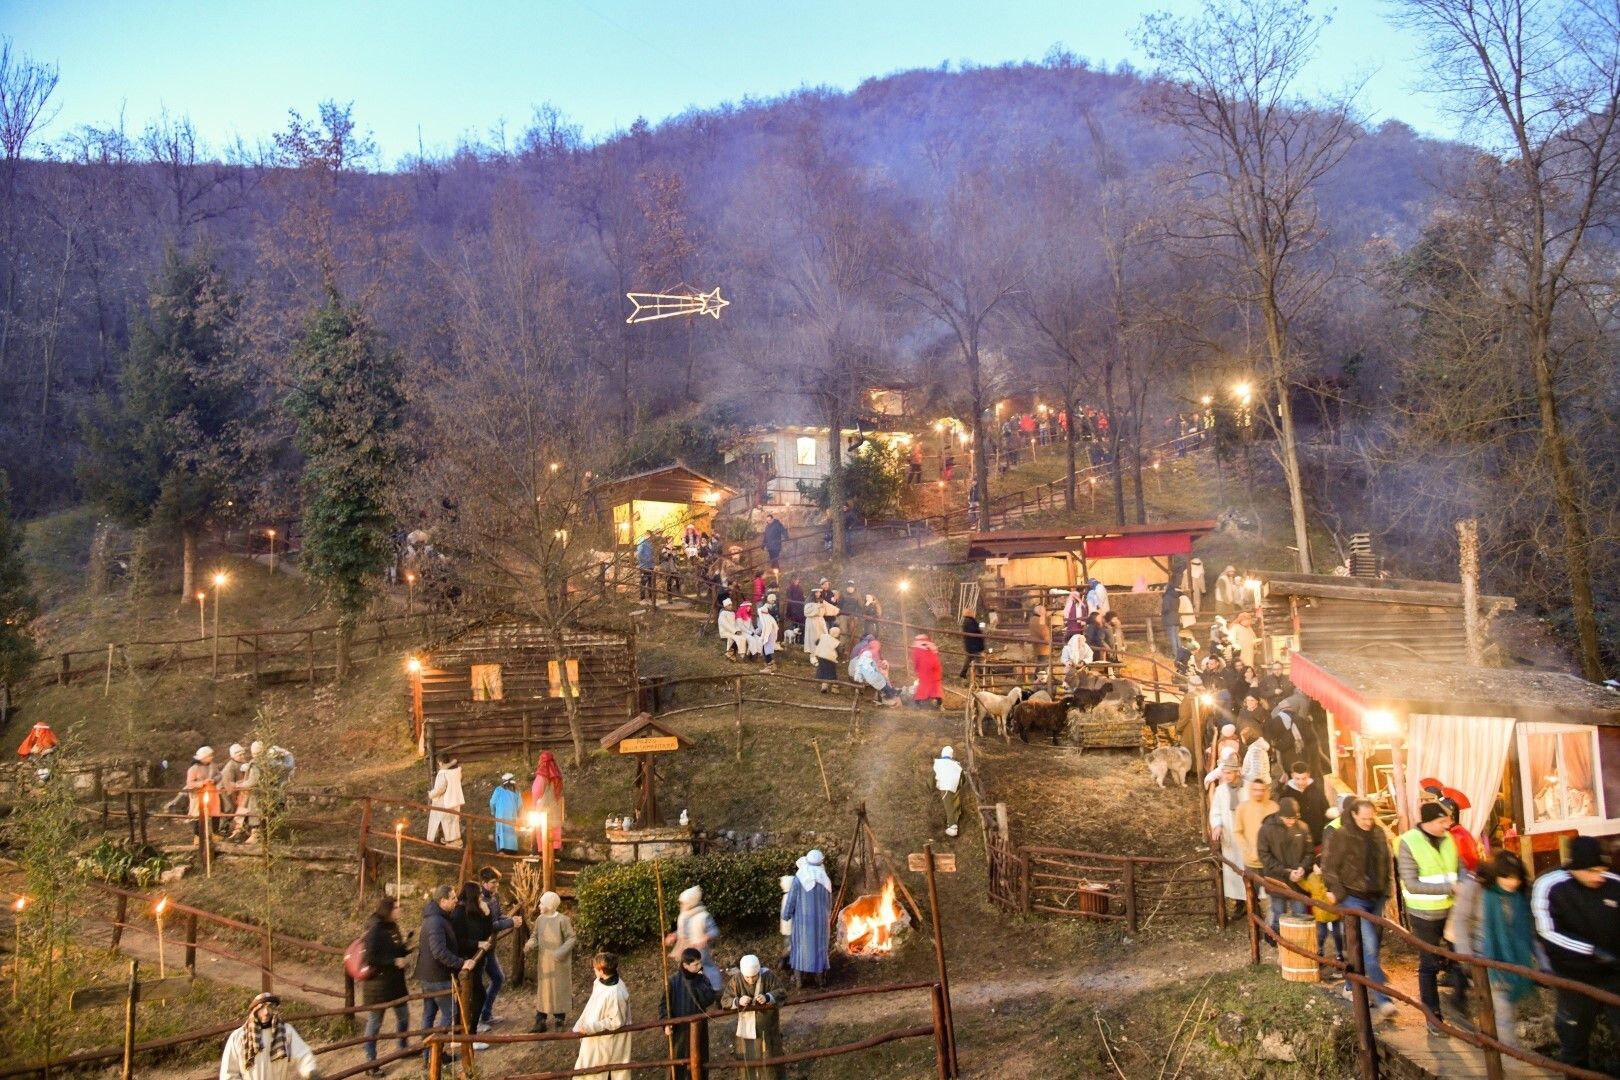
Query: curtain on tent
[(1464, 752)]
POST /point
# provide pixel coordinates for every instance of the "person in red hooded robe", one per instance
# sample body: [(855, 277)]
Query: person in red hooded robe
[(39, 741), (925, 664), (546, 797)]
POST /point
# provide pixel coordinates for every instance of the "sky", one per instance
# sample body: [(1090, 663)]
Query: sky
[(446, 71)]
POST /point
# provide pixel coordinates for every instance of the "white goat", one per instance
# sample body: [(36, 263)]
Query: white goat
[(998, 706)]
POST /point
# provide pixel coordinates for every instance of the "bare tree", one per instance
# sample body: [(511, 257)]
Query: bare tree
[(964, 264), (26, 86), (1259, 153), (1541, 83), (195, 188)]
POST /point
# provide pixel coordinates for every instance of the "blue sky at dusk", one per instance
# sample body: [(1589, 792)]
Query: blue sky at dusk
[(460, 69)]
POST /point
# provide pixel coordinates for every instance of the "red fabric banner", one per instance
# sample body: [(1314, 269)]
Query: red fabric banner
[(1139, 546), (1344, 703)]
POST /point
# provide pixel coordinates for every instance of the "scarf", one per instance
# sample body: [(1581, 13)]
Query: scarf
[(1507, 938), (250, 1039)]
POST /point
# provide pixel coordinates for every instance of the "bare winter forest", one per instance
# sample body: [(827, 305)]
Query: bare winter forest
[(1431, 325)]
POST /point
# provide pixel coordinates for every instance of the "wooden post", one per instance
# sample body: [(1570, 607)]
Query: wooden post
[(141, 807), (1130, 893), (131, 1003), (1150, 645), (1251, 918), (528, 732), (365, 829), (309, 650), (737, 704), (106, 687), (348, 998), (1215, 887), (122, 916), (942, 1057), (129, 816), (816, 745), (1487, 1022), (694, 1063), (191, 942), (267, 961), (939, 957), (466, 869), (435, 1060), (64, 668), (1360, 1001)]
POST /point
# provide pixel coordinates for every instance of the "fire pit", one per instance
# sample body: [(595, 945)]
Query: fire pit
[(869, 926)]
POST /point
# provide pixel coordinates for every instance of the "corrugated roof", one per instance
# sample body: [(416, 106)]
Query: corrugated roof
[(1459, 689)]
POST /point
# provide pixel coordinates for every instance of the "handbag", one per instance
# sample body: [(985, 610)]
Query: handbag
[(354, 961)]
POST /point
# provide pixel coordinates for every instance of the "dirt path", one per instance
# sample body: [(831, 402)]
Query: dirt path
[(143, 947)]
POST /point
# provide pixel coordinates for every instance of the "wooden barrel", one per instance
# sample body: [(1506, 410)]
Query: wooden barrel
[(1297, 930)]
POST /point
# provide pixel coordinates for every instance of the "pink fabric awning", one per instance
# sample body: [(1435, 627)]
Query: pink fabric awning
[(1344, 703), (1139, 545)]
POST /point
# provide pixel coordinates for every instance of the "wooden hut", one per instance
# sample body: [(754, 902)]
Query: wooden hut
[(496, 688), (662, 501), (774, 461), (1398, 619), (1537, 752)]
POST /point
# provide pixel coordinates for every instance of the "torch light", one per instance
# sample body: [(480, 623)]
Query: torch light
[(271, 533), (219, 587), (17, 907), (158, 909), (202, 615), (399, 842)]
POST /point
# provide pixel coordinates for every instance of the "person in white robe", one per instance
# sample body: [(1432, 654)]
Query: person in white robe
[(1224, 798), (604, 1014), (266, 1047), (726, 625), (769, 633), (696, 929), (948, 781), (447, 799)]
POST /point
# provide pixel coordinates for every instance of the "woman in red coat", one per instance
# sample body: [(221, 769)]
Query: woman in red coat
[(925, 662)]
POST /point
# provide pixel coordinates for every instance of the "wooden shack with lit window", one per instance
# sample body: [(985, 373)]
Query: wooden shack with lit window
[(663, 501), (1537, 753), (497, 688)]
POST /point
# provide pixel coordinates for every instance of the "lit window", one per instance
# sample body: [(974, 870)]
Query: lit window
[(807, 449), (486, 682), (1560, 767)]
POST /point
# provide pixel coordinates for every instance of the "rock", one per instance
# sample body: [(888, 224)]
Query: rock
[(84, 783), (1229, 1029), (406, 888), (1273, 1047), (174, 873)]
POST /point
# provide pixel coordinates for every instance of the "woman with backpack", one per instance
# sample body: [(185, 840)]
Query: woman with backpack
[(381, 975)]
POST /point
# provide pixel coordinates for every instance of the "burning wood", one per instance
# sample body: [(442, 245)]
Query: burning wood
[(869, 926)]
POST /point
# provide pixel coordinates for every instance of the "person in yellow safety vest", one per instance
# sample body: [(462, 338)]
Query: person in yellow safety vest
[(1427, 864)]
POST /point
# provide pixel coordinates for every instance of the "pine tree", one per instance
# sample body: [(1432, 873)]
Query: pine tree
[(167, 451), (349, 406), (18, 605)]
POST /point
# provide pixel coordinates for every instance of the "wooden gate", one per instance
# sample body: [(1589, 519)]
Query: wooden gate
[(1006, 875)]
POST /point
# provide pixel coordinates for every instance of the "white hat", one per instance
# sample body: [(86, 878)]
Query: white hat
[(749, 966), (257, 748), (507, 778), (815, 858), (204, 752), (947, 753), (549, 902), (692, 896), (726, 602), (237, 749)]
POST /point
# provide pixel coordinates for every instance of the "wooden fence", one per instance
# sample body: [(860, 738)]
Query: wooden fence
[(1134, 889), (1483, 1036)]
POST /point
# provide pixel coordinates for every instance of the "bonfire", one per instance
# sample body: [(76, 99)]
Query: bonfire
[(868, 927)]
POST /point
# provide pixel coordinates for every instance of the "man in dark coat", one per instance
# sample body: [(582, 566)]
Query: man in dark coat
[(1577, 914), (1310, 796), (1356, 868), (972, 641), (689, 994), (1286, 854), (438, 961), (775, 536)]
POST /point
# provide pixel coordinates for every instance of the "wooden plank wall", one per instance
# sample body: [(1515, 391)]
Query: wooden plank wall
[(527, 718), (1365, 628)]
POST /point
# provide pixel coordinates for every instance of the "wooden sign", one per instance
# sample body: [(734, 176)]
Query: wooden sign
[(944, 862), (93, 997), (656, 744), (996, 561)]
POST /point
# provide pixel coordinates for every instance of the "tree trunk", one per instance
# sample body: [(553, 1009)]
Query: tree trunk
[(1296, 490), (1136, 469), (835, 474), (345, 641), (1567, 497), (1069, 480), (981, 449), (576, 733), (188, 563)]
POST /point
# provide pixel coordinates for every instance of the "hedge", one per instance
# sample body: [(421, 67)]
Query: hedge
[(618, 902)]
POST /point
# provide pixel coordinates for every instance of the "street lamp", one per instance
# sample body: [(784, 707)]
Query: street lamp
[(1206, 401), (219, 586)]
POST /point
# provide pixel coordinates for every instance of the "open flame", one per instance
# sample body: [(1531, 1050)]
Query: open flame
[(869, 925)]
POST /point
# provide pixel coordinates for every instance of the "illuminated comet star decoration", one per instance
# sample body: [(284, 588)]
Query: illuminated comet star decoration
[(651, 306)]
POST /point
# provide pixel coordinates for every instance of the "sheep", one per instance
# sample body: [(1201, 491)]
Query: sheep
[(1050, 717), (1157, 714), (1123, 690), (997, 706), (1173, 761)]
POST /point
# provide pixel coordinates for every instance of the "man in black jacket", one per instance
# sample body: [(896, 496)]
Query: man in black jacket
[(1286, 855), (1577, 914), (972, 641), (688, 994), (438, 960), (1302, 787), (1356, 872)]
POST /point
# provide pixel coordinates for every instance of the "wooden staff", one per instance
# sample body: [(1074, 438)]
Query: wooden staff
[(816, 743), (663, 957)]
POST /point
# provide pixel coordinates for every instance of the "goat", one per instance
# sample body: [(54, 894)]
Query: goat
[(997, 706), (1123, 690), (1173, 761), (1157, 714), (1086, 700), (1050, 717)]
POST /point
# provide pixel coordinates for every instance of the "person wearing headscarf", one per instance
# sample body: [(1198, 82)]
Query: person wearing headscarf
[(768, 631), (868, 667), (546, 797), (929, 673), (202, 785), (795, 603), (553, 942), (236, 764), (1224, 800), (809, 908), (784, 923), (688, 993), (1074, 613), (605, 1013), (826, 654), (266, 1047), (1228, 593), (1096, 596), (948, 782), (696, 929), (39, 741), (447, 799), (725, 625), (815, 624), (755, 992), (1193, 583), (505, 804)]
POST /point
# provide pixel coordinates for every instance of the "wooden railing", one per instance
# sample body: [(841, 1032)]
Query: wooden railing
[(1133, 889), (1485, 1038)]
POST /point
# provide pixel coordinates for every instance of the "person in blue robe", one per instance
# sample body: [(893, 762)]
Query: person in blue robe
[(808, 907), (505, 804)]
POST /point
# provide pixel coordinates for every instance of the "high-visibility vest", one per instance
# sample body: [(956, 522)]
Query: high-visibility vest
[(1436, 866)]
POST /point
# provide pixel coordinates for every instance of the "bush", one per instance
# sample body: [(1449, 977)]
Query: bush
[(618, 903)]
